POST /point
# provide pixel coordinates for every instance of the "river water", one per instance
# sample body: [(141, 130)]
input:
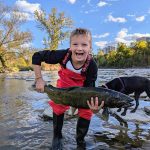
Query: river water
[(21, 127)]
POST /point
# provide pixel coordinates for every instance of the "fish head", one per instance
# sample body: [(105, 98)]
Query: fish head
[(121, 100)]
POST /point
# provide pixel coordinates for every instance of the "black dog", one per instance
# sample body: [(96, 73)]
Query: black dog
[(128, 85)]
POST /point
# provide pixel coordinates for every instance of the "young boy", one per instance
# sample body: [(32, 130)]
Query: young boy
[(77, 69)]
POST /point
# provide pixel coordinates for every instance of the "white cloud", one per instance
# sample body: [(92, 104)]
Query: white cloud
[(27, 7), (24, 15), (123, 37), (138, 35), (72, 1), (140, 19), (123, 33), (101, 36), (118, 19), (126, 38), (101, 44), (102, 3)]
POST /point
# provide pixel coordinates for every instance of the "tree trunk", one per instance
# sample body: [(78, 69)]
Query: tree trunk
[(3, 62)]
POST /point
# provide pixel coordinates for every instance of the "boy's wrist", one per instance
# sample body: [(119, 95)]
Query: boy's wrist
[(37, 78)]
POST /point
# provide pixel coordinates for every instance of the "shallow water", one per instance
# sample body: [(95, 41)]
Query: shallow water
[(22, 128)]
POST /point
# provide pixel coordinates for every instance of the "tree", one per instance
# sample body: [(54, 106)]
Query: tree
[(141, 50), (55, 26), (111, 58), (11, 38)]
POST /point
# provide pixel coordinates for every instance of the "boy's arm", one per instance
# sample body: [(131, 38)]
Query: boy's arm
[(50, 57), (37, 71), (38, 78)]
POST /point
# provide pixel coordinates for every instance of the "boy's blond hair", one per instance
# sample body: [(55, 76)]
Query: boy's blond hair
[(81, 31)]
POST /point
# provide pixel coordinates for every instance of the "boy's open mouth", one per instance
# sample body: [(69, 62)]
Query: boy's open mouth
[(79, 54)]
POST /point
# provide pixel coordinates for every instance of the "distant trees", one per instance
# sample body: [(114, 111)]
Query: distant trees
[(55, 25), (11, 38), (137, 55), (142, 51)]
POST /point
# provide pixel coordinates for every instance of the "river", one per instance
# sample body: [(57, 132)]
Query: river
[(21, 127)]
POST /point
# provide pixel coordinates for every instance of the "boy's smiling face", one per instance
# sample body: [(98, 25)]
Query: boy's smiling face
[(80, 46)]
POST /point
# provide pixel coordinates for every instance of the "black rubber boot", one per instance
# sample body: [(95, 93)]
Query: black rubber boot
[(57, 134), (82, 129)]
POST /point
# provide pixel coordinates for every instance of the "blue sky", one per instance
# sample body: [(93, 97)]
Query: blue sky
[(110, 21)]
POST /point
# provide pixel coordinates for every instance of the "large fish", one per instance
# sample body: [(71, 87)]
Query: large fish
[(77, 96)]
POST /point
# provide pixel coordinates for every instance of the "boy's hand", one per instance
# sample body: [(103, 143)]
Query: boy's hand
[(40, 83), (94, 106)]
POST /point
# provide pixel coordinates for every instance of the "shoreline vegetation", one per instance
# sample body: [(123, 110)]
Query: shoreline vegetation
[(137, 56), (56, 68)]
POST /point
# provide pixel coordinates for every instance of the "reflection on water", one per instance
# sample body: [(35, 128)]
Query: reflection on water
[(20, 125), (22, 128)]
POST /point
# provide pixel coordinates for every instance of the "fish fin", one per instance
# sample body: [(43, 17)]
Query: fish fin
[(72, 111), (119, 118)]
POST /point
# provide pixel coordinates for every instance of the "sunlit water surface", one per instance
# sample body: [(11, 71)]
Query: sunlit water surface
[(22, 128)]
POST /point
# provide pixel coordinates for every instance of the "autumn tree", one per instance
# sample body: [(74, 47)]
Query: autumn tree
[(11, 38), (141, 49), (111, 58), (101, 60), (55, 25)]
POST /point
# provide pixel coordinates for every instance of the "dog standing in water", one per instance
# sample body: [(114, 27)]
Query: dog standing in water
[(129, 85)]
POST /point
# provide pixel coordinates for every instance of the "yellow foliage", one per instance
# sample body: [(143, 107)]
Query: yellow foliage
[(100, 53), (141, 44)]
